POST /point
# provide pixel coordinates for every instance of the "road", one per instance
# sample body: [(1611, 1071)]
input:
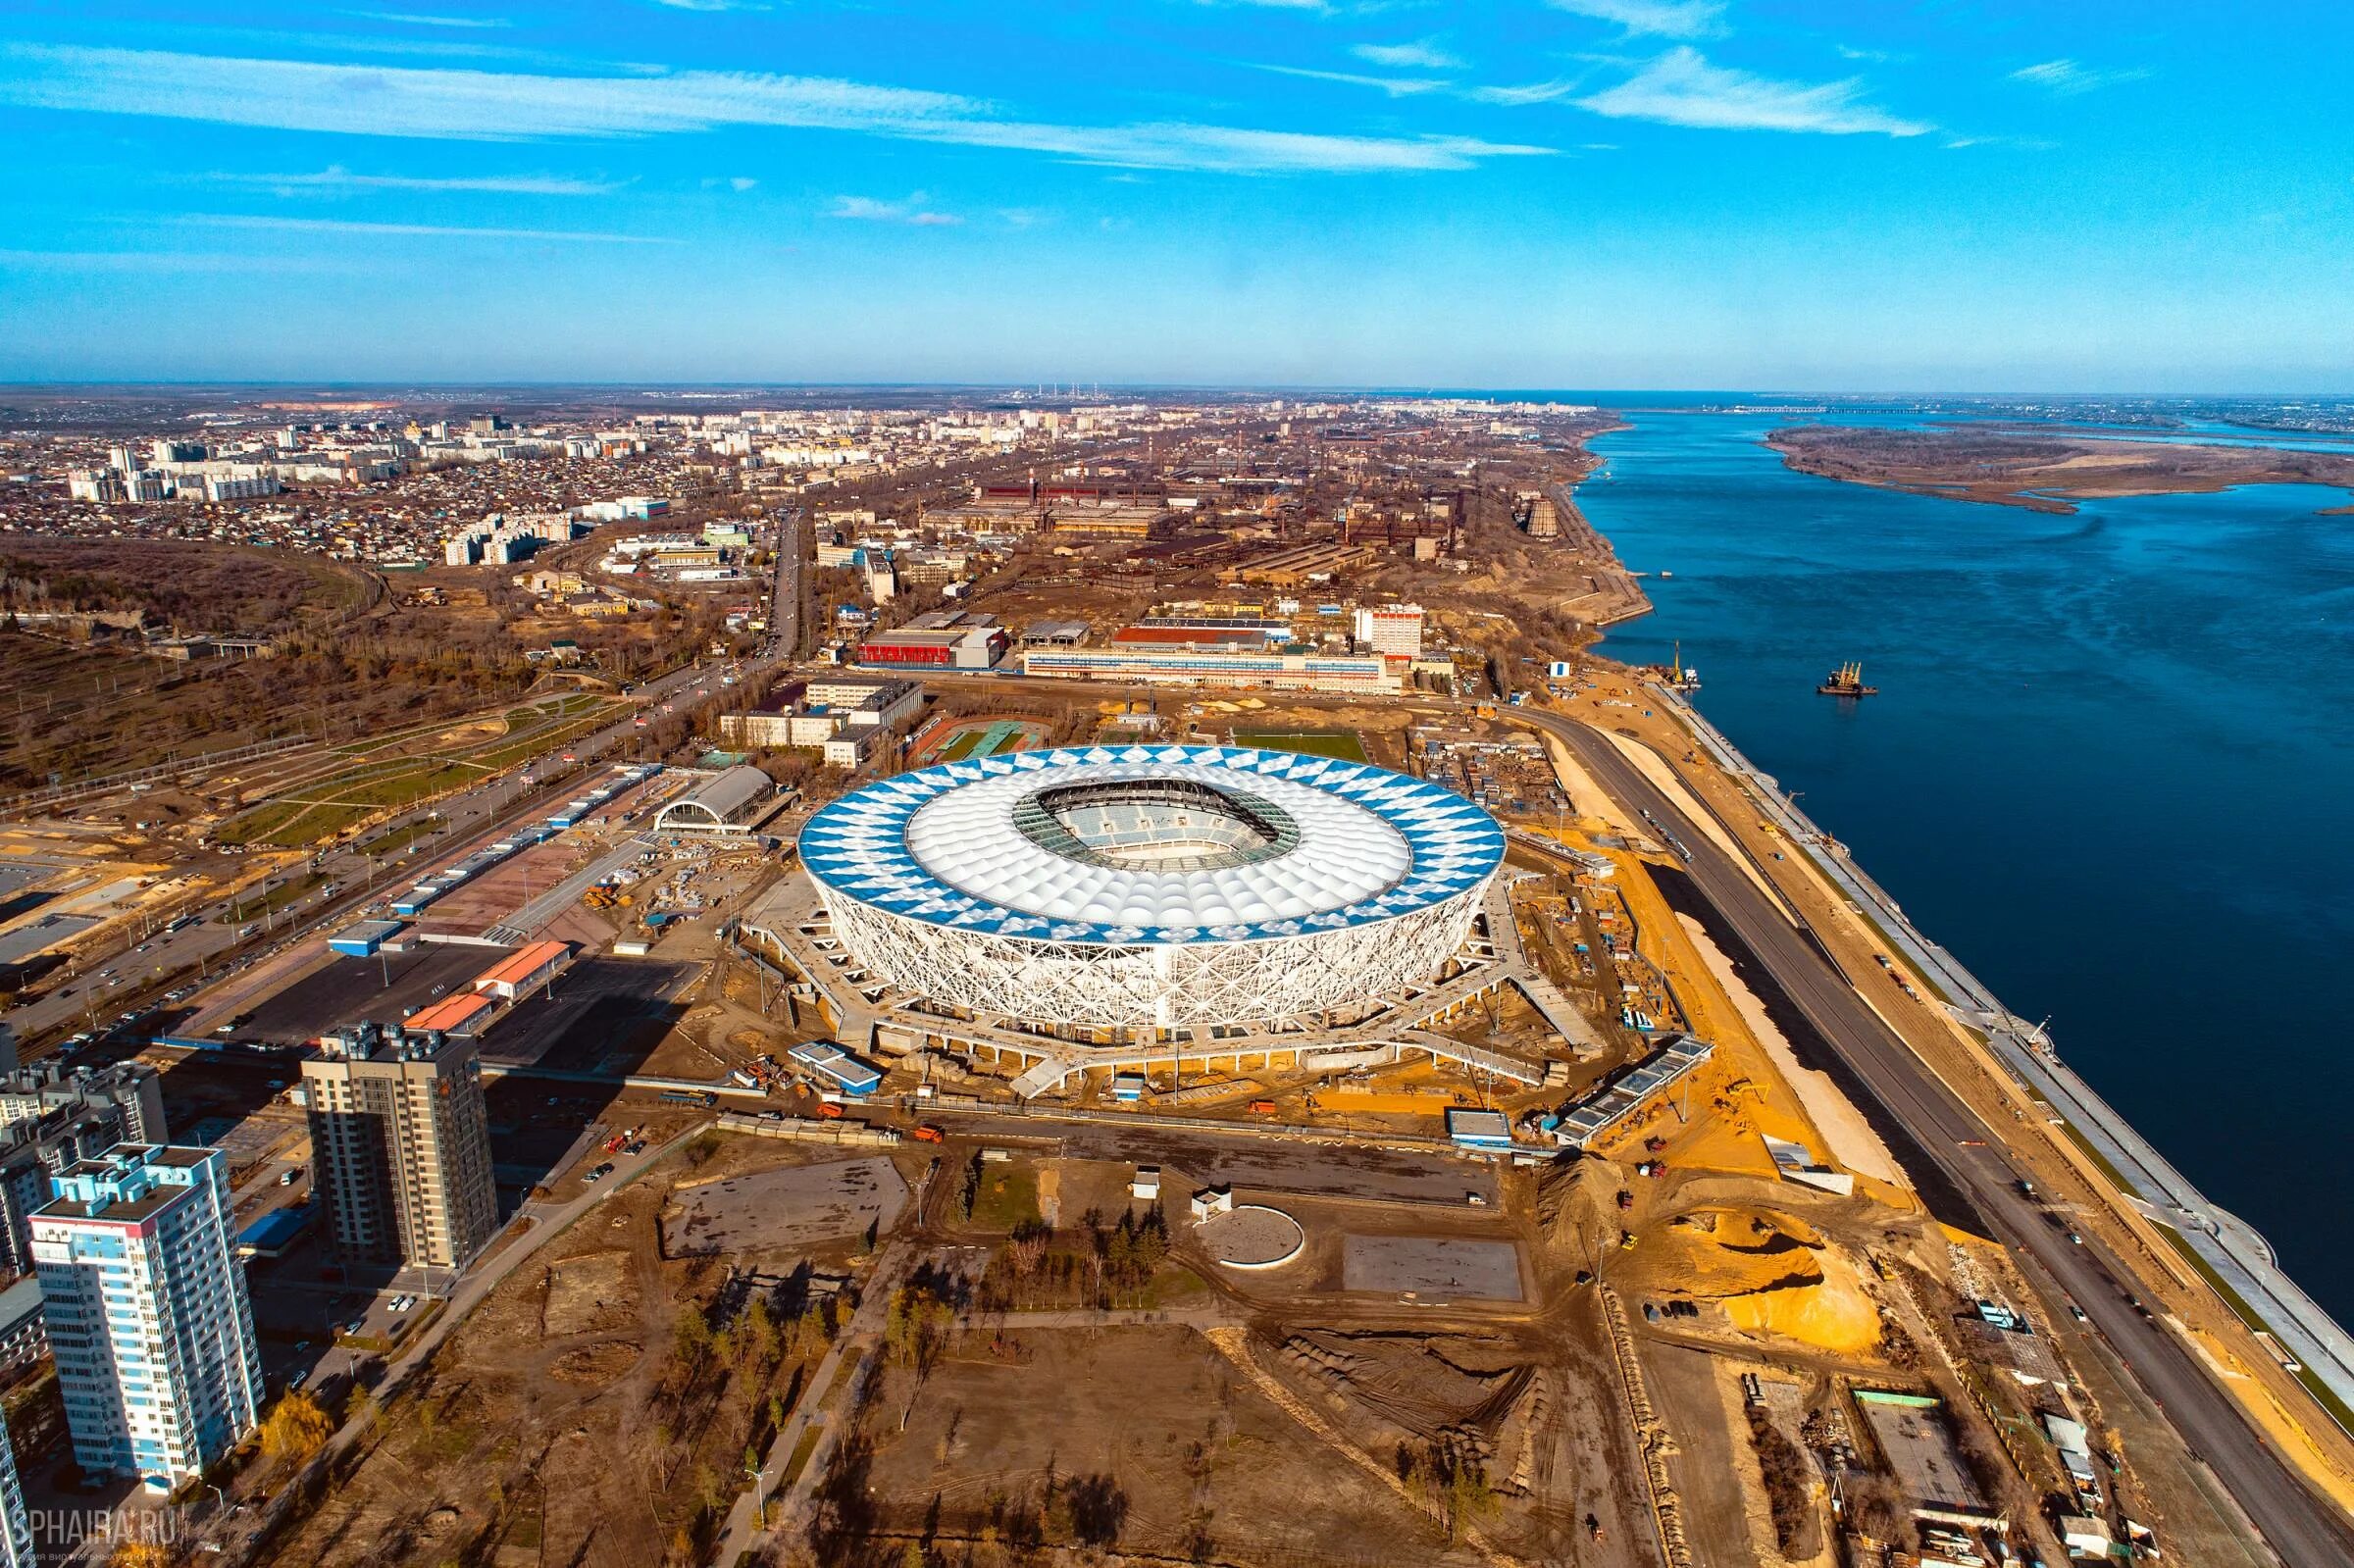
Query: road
[(2303, 1528), (2227, 1242)]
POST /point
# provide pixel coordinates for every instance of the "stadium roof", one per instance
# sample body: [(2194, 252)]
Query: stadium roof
[(1308, 843)]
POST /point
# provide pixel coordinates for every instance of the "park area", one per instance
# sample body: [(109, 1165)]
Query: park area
[(394, 772)]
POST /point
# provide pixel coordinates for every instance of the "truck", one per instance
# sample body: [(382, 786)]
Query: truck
[(928, 1133), (691, 1096)]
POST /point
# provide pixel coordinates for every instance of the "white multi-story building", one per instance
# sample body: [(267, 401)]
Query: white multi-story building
[(147, 1312), (240, 482), (16, 1523), (1391, 628)]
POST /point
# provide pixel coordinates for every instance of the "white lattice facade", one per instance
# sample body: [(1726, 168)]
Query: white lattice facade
[(1154, 983), (1152, 887)]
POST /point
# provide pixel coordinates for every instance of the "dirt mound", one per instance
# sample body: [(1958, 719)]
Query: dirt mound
[(1577, 1199), (1828, 1314), (1420, 1386), (594, 1366), (1772, 1273)]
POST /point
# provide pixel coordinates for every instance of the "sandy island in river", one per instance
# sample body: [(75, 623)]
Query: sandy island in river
[(2044, 473)]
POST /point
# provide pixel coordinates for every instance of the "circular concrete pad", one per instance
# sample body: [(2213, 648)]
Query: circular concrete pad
[(1251, 1236)]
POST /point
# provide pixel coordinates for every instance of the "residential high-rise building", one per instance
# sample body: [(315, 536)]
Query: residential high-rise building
[(401, 1145), (147, 1312), (51, 1120), (133, 1091), (15, 1521)]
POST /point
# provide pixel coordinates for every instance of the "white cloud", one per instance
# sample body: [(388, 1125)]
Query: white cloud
[(1423, 56), (712, 5), (1395, 86), (912, 211), (336, 179), (741, 183), (2069, 79), (415, 19), (1668, 19), (1681, 88), (1520, 97), (337, 225), (492, 106)]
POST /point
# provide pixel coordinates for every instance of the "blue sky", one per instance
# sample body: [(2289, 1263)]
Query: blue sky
[(1950, 195)]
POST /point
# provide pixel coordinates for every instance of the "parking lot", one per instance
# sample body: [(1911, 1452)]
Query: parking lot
[(346, 990), (606, 1015)]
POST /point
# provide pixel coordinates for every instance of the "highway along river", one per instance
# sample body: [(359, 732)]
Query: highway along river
[(2110, 766)]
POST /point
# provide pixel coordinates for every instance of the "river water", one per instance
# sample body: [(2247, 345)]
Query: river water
[(2110, 767)]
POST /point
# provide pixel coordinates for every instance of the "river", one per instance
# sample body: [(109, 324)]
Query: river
[(2108, 767)]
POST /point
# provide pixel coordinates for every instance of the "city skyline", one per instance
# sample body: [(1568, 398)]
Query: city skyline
[(1583, 193)]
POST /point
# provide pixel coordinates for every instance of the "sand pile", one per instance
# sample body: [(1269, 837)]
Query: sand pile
[(1770, 1272), (1578, 1200)]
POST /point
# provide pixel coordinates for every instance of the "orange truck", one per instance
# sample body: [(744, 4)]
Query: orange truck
[(1260, 1107), (929, 1134)]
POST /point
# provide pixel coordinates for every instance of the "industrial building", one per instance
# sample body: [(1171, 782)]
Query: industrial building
[(523, 971), (1222, 667), (402, 1145), (363, 939), (149, 1316), (464, 1013), (1154, 886), (969, 647), (727, 803), (836, 1069)]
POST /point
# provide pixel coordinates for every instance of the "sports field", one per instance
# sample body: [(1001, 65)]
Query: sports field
[(1345, 744), (985, 737)]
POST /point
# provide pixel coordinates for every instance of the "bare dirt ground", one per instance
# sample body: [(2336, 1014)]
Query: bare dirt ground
[(573, 1418), (1172, 1448)]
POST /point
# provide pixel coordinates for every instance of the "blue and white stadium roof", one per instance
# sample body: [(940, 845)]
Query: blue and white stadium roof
[(1075, 845)]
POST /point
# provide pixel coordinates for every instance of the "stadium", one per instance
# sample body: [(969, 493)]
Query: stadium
[(1151, 886)]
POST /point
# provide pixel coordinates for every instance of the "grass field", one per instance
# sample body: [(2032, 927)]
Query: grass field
[(321, 808), (1345, 744)]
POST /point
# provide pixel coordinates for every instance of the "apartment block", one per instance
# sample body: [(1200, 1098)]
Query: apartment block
[(147, 1312), (401, 1145)]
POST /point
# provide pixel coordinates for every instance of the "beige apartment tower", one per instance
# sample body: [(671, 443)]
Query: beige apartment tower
[(401, 1145)]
